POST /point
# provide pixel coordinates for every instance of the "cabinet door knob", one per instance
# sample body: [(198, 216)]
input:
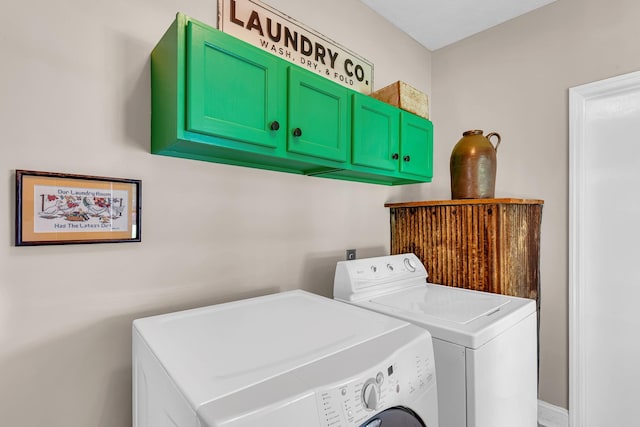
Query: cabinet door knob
[(297, 132), (395, 156), (406, 158), (275, 125)]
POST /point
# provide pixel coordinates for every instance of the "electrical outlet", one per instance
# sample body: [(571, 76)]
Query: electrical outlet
[(351, 254)]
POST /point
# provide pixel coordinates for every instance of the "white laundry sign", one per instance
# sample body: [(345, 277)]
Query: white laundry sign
[(265, 27)]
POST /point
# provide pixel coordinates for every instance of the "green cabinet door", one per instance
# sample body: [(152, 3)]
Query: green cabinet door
[(376, 134), (416, 145), (233, 90), (319, 112)]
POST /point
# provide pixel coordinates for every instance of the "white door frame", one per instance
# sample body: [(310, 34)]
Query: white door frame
[(579, 99)]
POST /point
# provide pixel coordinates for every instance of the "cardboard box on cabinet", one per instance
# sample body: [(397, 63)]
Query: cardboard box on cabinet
[(406, 97)]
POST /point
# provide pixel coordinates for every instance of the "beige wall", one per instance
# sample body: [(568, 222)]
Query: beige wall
[(514, 79), (75, 98)]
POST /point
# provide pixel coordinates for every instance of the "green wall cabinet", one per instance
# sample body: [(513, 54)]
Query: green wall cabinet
[(391, 145), (416, 146), (216, 98), (319, 116), (376, 134), (233, 91), (388, 145)]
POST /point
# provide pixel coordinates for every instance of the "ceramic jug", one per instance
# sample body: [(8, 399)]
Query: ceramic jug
[(473, 166)]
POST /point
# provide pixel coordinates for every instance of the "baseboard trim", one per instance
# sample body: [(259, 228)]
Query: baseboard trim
[(552, 416)]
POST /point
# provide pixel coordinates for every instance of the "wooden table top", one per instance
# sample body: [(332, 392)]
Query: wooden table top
[(465, 202)]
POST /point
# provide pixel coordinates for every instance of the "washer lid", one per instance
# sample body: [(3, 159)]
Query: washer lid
[(213, 351), (461, 316), (441, 303)]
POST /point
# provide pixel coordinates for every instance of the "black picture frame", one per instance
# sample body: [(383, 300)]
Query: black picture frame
[(61, 208)]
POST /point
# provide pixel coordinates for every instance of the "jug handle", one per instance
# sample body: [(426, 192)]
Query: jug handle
[(499, 139)]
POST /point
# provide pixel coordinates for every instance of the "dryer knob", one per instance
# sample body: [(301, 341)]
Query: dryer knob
[(370, 394)]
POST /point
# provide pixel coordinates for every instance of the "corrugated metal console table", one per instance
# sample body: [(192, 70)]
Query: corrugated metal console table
[(490, 245)]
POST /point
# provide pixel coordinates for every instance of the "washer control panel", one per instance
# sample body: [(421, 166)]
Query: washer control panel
[(396, 381), (360, 278)]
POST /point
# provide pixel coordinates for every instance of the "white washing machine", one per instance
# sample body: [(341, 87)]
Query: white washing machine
[(292, 359), (485, 344)]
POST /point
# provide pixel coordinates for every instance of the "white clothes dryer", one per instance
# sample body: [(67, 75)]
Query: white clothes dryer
[(485, 344), (291, 359)]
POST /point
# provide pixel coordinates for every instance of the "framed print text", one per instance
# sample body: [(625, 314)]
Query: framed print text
[(56, 209)]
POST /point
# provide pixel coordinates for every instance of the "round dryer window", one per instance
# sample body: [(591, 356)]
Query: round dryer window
[(395, 417)]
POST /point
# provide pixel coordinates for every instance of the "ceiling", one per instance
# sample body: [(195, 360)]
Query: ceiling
[(438, 23)]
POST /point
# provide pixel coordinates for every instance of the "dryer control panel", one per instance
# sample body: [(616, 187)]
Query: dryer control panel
[(398, 381)]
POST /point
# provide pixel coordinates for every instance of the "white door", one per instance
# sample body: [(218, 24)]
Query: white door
[(604, 242)]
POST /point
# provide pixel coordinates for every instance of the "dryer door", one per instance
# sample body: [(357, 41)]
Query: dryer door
[(395, 417)]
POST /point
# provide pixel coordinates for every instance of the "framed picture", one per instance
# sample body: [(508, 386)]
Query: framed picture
[(58, 209)]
